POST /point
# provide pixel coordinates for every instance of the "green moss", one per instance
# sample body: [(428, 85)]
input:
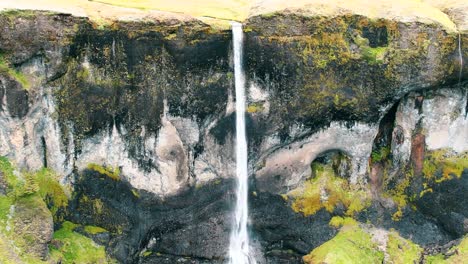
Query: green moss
[(8, 173), (171, 36), (135, 193), (255, 108), (445, 162), (327, 190), (43, 182), (398, 193), (113, 173), (83, 74), (338, 221), (380, 154), (351, 245), (6, 68), (5, 203), (374, 55), (30, 194), (93, 230), (76, 248), (51, 191), (402, 251)]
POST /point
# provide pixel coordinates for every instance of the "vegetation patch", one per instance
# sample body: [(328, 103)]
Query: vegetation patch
[(370, 54), (51, 191), (445, 163), (327, 190), (94, 230), (363, 246), (351, 245), (457, 254), (113, 173), (255, 108), (6, 68), (338, 221), (401, 251), (27, 196), (381, 154), (71, 247)]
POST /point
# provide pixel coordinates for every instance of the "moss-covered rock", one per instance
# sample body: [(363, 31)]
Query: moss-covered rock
[(327, 190), (71, 247), (351, 245), (402, 250), (343, 67), (358, 243), (33, 204)]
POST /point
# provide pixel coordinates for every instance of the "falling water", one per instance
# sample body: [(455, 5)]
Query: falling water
[(239, 247), (460, 54)]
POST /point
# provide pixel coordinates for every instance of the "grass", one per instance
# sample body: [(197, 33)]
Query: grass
[(240, 10), (76, 248), (327, 190), (5, 67), (402, 251), (32, 192), (50, 190), (351, 245), (9, 173), (355, 244), (222, 9), (388, 9)]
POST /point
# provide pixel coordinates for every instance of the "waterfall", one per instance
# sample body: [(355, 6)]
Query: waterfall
[(239, 248), (460, 54)]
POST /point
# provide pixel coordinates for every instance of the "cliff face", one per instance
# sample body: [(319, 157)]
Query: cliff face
[(348, 115)]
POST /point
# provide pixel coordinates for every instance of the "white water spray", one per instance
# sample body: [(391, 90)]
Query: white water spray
[(239, 248)]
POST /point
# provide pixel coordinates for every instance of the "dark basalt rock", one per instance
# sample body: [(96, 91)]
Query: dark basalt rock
[(414, 225), (17, 97), (193, 224), (192, 227), (448, 204), (319, 69), (283, 234)]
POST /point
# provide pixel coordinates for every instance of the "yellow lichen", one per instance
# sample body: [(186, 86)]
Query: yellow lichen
[(445, 162), (111, 172), (327, 190)]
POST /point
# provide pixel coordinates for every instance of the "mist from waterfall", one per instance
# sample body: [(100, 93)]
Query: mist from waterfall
[(239, 248)]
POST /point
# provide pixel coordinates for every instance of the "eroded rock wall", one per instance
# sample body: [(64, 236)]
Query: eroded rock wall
[(138, 118)]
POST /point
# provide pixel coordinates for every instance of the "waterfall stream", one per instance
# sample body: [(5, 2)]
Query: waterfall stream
[(239, 248)]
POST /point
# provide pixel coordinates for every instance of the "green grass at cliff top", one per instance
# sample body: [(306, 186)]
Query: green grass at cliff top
[(428, 11), (222, 9)]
